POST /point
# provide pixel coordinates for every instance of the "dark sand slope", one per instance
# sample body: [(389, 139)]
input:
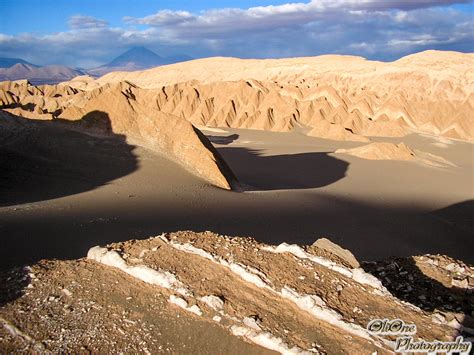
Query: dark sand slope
[(35, 169), (376, 209)]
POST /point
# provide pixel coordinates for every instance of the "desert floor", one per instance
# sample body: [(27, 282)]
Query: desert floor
[(96, 191)]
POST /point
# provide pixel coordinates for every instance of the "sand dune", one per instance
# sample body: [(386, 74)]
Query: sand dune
[(171, 135), (390, 151), (381, 151), (114, 110)]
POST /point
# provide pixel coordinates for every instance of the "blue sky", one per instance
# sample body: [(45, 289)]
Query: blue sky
[(86, 33), (51, 15)]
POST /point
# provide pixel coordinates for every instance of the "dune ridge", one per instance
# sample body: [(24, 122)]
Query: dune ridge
[(124, 115), (390, 151), (158, 131)]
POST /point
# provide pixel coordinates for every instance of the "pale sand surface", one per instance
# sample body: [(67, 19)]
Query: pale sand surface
[(301, 191)]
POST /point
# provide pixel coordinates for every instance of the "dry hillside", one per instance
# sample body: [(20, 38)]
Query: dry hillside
[(334, 97), (431, 92)]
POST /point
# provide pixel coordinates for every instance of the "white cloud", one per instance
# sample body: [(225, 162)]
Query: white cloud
[(374, 28), (80, 21), (364, 47), (421, 40), (162, 18), (5, 38)]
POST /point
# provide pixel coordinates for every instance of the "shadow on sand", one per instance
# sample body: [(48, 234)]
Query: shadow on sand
[(283, 172), (42, 160), (409, 279), (223, 140), (459, 215)]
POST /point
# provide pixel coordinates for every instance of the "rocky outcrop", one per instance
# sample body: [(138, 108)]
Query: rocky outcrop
[(342, 255), (177, 289)]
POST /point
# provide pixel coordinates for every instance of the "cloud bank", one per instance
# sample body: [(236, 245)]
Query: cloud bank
[(79, 21), (374, 29)]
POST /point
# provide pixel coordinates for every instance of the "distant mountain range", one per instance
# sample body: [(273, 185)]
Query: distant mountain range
[(9, 62), (137, 58), (51, 74)]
